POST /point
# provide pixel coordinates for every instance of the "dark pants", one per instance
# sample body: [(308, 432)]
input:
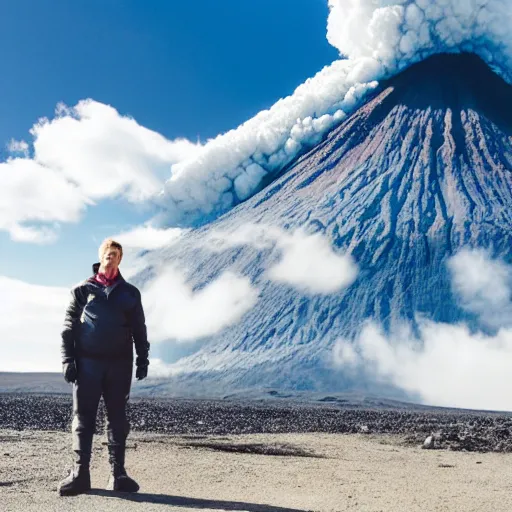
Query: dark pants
[(96, 378)]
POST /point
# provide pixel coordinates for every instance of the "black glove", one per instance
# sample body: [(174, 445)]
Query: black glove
[(142, 371), (69, 371)]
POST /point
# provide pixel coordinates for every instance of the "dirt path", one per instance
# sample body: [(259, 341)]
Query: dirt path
[(346, 473)]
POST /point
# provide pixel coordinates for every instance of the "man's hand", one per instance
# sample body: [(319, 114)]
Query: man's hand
[(141, 372), (70, 372)]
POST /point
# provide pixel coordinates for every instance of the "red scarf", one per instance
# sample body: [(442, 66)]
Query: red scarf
[(101, 278)]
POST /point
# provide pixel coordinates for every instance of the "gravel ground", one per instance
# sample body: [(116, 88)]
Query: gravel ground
[(257, 473), (450, 429), (262, 456)]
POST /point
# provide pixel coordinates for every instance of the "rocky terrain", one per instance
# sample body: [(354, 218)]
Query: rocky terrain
[(446, 428)]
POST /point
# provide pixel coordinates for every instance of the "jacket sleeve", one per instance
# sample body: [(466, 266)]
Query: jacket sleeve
[(71, 320), (139, 331)]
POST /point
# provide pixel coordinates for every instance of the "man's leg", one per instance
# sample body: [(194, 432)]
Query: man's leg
[(86, 397), (116, 393)]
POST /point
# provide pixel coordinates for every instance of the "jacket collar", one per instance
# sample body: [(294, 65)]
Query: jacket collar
[(95, 268)]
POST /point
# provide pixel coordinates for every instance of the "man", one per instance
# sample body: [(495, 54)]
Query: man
[(103, 321)]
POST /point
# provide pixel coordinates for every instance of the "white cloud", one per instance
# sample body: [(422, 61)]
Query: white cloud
[(231, 167), (148, 237), (307, 261), (400, 32), (86, 154), (33, 198), (106, 154), (18, 146), (446, 365), (483, 285), (175, 310), (31, 320), (32, 316)]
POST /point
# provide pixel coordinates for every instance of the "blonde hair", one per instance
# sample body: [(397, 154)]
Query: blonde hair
[(107, 244)]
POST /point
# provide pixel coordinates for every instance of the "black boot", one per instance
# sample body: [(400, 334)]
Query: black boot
[(79, 479), (119, 480)]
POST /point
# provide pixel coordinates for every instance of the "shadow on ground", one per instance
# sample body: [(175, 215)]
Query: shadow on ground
[(180, 501), (279, 450)]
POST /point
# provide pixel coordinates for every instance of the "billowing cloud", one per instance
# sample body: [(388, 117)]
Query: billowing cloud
[(307, 262), (231, 167), (445, 365), (106, 154), (175, 311), (84, 155), (379, 38), (397, 33)]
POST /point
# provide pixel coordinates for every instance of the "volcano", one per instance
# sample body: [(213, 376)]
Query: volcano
[(420, 171)]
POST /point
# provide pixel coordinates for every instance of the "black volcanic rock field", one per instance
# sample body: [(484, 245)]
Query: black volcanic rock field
[(449, 428)]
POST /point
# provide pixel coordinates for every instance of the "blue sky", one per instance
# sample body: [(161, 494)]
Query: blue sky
[(183, 69)]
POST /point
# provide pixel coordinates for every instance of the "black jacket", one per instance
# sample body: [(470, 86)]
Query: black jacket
[(104, 322)]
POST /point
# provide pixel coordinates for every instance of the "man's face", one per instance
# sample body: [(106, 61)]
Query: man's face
[(111, 258)]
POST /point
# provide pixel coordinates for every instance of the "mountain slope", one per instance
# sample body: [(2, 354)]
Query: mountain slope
[(423, 169)]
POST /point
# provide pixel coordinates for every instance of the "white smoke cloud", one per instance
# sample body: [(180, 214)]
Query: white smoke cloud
[(379, 39), (174, 310), (446, 364), (231, 167), (400, 32), (307, 261)]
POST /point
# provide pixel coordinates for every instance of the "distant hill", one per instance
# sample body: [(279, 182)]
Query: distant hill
[(13, 382)]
